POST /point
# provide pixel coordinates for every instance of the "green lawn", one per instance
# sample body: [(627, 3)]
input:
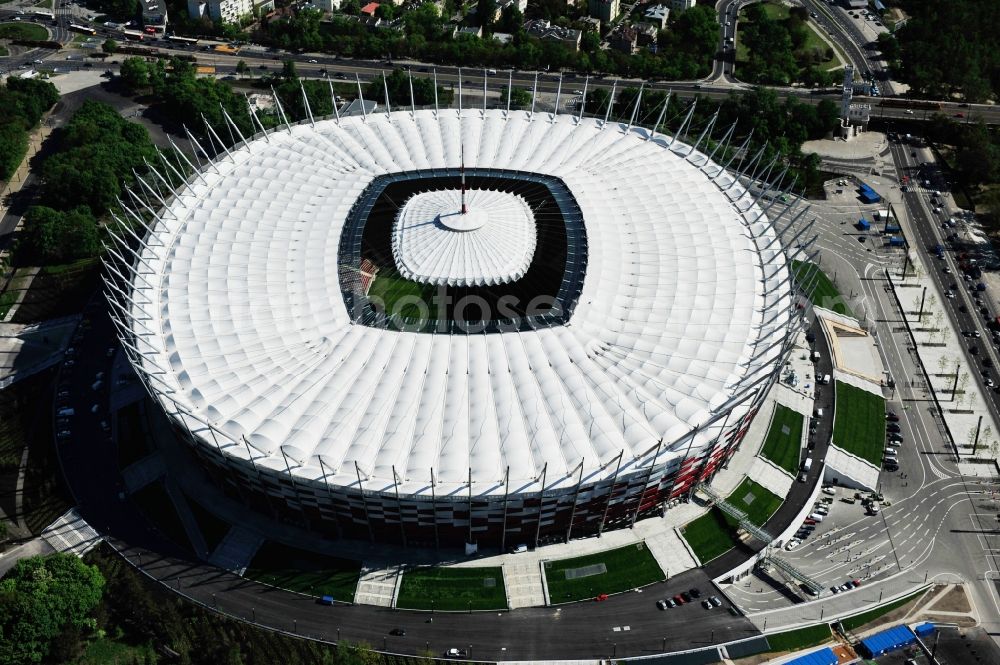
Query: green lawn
[(859, 620), (213, 529), (819, 289), (22, 30), (626, 568), (306, 572), (715, 533), (4, 51), (390, 287), (159, 509), (44, 4), (859, 423), (452, 589), (783, 444), (802, 638)]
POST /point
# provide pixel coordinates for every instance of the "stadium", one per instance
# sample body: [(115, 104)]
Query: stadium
[(466, 327)]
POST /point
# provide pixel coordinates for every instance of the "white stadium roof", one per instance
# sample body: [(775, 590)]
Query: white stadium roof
[(492, 242), (239, 305)]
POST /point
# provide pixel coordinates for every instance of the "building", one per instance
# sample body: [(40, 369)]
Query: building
[(646, 33), (369, 9), (657, 15), (626, 39), (226, 11), (154, 15), (606, 10), (519, 5), (543, 29), (327, 5), (682, 5), (470, 30), (855, 4), (590, 23), (577, 396), (503, 37)]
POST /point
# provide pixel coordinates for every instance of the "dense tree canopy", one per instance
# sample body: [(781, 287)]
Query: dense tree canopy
[(684, 51), (23, 102), (54, 236), (778, 49), (96, 151), (950, 47), (40, 598)]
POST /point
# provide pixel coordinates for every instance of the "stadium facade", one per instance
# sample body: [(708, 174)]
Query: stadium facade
[(631, 307)]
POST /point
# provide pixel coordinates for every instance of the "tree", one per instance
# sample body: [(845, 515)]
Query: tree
[(53, 236), (109, 46), (351, 7), (40, 598), (97, 152), (485, 12), (386, 11), (519, 97), (242, 68), (135, 73), (288, 71)]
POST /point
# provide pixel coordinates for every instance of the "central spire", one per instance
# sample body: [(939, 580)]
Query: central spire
[(465, 208)]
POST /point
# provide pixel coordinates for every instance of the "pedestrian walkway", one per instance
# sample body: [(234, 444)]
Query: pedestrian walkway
[(236, 550), (764, 472), (377, 585), (523, 581), (187, 518), (71, 534), (139, 474)]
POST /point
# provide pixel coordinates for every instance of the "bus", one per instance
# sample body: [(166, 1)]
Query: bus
[(182, 40), (132, 35), (75, 27)]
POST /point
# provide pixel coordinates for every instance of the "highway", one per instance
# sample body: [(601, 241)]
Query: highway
[(963, 307)]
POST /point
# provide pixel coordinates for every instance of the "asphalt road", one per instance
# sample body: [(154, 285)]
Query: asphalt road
[(963, 310)]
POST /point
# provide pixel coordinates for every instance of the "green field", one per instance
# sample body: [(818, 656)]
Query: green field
[(22, 30), (715, 533), (859, 620), (389, 288), (859, 423), (452, 589), (819, 288), (802, 638), (783, 447), (306, 572), (626, 568), (157, 506)]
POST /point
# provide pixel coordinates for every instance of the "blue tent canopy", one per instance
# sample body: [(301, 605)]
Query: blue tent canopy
[(887, 640), (821, 657)]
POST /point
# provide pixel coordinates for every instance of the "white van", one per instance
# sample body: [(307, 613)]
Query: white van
[(816, 516), (825, 380), (807, 465), (818, 413)]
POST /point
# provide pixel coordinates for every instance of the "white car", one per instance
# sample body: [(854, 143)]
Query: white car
[(908, 111), (792, 544)]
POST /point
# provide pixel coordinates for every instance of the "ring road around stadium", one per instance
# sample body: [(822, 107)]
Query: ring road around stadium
[(440, 328)]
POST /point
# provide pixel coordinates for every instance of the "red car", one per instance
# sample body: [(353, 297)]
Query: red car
[(856, 582), (598, 598), (959, 115), (809, 520), (679, 599)]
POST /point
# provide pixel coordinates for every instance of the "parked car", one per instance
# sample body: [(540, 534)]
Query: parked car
[(662, 604), (695, 592), (679, 599), (707, 605), (715, 601), (892, 427), (686, 596)]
